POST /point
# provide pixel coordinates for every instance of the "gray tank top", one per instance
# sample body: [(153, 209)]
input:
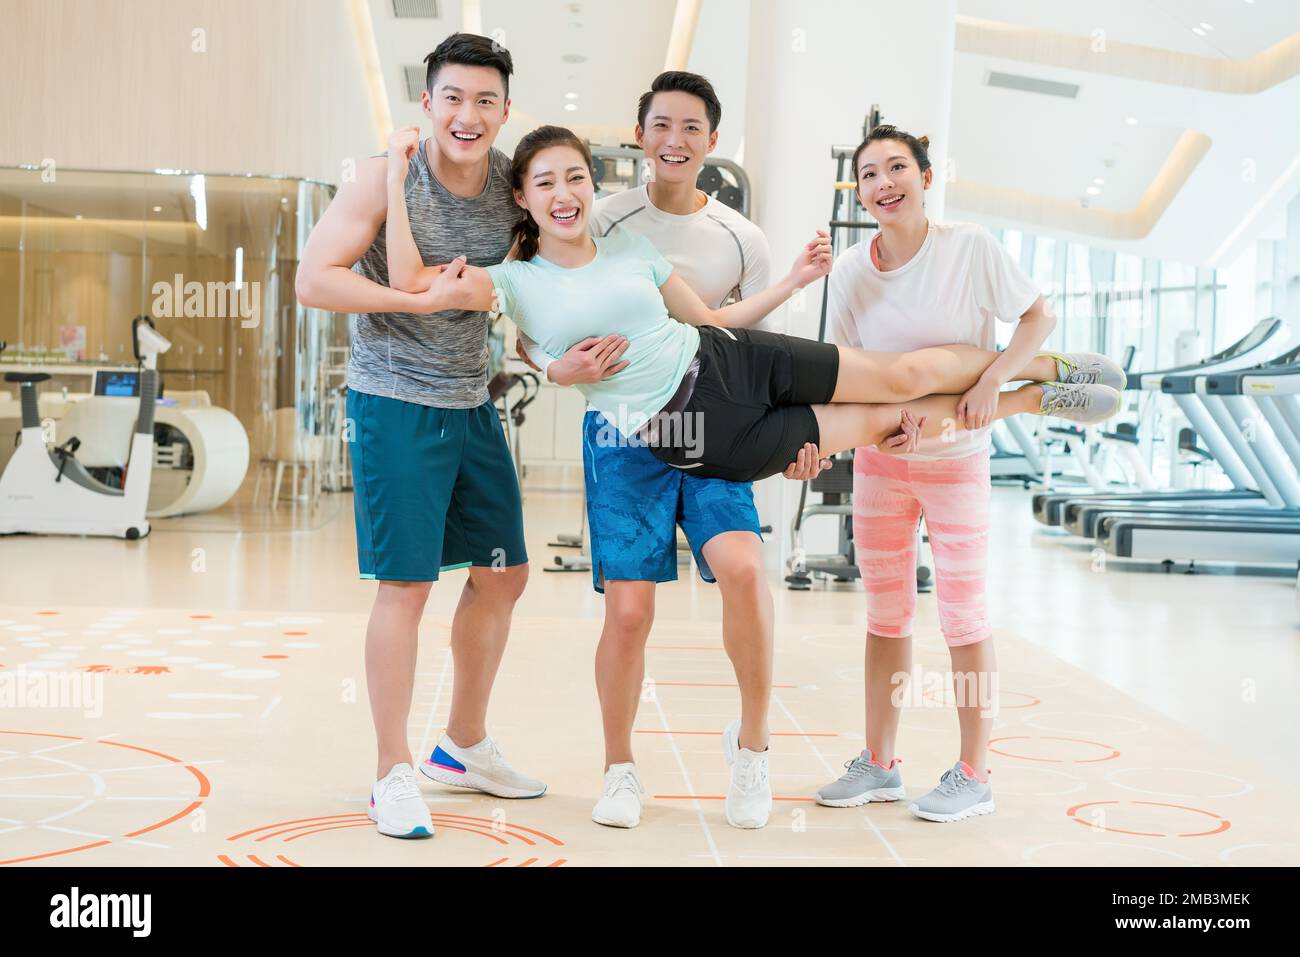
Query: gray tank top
[(440, 359)]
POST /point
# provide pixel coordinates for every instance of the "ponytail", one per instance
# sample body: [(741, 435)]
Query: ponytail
[(527, 237)]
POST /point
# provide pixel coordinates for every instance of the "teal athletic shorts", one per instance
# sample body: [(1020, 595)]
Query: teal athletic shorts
[(434, 489)]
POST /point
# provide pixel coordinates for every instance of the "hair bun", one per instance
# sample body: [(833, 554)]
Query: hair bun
[(924, 141)]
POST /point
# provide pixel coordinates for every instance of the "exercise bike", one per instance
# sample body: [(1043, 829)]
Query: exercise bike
[(47, 491)]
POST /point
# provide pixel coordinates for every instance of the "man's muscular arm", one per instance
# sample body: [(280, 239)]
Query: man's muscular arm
[(350, 224)]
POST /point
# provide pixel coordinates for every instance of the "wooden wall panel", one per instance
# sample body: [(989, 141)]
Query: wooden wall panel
[(115, 84)]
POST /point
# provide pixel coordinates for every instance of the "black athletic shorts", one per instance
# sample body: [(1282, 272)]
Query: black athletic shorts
[(749, 412)]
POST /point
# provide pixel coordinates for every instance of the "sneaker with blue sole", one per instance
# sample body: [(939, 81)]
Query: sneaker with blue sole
[(481, 768), (397, 807), (864, 780), (960, 794)]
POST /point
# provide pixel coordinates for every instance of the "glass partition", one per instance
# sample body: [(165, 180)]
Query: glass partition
[(212, 259), (1108, 301)]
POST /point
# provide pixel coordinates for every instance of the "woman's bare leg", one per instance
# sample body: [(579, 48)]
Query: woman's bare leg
[(975, 665), (845, 427), (940, 370), (886, 659)]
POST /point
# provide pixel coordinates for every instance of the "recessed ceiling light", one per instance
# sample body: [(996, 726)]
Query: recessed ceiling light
[(574, 58), (1099, 181), (570, 106), (1198, 31), (78, 215), (570, 96), (1131, 121), (1092, 191), (1206, 26), (157, 209)]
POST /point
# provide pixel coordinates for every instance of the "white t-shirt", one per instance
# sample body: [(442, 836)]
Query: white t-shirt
[(951, 291), (715, 249)]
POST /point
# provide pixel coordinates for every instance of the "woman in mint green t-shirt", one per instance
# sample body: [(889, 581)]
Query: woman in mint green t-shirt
[(704, 392)]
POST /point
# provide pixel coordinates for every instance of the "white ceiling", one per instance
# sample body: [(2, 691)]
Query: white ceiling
[(1240, 29), (1050, 145), (1031, 143), (623, 46), (1055, 147)]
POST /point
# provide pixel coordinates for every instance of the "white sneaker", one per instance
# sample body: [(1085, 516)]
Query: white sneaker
[(482, 767), (749, 797), (620, 802), (397, 806)]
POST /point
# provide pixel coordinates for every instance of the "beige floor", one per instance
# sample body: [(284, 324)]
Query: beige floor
[(1145, 719)]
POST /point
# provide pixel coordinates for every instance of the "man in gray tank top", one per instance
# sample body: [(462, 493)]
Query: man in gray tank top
[(439, 359), (435, 485)]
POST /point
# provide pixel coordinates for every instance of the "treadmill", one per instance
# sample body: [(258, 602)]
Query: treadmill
[(1081, 517), (1271, 534), (1265, 341)]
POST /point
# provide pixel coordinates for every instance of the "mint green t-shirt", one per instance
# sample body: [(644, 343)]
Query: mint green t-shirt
[(617, 292)]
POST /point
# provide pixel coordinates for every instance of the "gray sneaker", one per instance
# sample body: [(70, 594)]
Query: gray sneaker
[(959, 795), (1088, 368), (1084, 403), (863, 780)]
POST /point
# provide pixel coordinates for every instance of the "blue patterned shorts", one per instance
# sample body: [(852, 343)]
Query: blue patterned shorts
[(635, 503)]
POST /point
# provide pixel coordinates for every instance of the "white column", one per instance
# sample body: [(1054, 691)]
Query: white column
[(814, 69), (721, 52)]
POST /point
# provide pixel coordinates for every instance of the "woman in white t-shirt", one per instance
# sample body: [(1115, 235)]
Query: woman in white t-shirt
[(917, 284)]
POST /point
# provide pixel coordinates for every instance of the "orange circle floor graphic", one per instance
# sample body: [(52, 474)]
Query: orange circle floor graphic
[(275, 844), (55, 773), (1110, 755), (1222, 825)]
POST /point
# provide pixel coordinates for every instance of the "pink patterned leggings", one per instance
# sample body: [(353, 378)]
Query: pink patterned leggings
[(889, 495)]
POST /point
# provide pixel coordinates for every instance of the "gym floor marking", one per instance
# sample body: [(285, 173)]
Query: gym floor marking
[(95, 776), (424, 750), (286, 805), (497, 829), (1246, 786), (1028, 737), (1072, 814), (690, 786)]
